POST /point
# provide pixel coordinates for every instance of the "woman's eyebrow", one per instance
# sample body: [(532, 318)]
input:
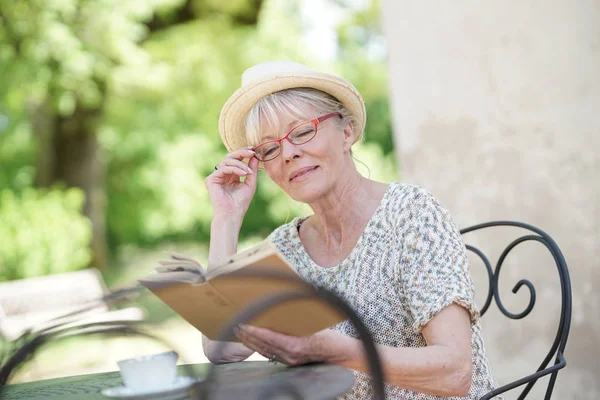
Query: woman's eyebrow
[(289, 126), (293, 123)]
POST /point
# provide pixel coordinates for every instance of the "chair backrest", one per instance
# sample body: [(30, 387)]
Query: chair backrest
[(556, 352)]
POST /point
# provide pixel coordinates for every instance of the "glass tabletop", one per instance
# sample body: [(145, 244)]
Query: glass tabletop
[(244, 380)]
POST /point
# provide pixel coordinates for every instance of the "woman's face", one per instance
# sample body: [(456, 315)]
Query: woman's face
[(306, 172)]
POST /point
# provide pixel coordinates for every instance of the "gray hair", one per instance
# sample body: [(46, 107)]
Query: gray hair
[(266, 109)]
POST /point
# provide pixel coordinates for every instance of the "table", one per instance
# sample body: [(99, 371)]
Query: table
[(244, 380)]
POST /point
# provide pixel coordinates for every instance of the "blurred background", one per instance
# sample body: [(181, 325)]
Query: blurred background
[(108, 127)]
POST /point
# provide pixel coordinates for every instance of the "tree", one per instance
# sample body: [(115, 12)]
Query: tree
[(67, 54)]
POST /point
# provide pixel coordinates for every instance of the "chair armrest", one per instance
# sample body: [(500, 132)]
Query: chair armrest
[(562, 362)]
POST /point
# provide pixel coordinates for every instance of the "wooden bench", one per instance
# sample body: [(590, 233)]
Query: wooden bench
[(30, 305)]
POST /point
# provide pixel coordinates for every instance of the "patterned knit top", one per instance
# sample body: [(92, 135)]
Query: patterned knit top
[(408, 264)]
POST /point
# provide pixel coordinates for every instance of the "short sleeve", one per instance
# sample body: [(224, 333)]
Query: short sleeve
[(433, 268)]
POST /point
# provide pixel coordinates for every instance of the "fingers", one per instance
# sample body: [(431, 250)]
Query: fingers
[(233, 164), (269, 344), (252, 340), (230, 170), (251, 179), (229, 165), (244, 152), (253, 164)]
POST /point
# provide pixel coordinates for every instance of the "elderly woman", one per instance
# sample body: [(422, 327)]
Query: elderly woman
[(390, 250)]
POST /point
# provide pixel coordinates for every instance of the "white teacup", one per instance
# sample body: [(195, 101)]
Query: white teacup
[(149, 373)]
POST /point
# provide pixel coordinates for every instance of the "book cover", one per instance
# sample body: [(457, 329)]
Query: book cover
[(209, 300)]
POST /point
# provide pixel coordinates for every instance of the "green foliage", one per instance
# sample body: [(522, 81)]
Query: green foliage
[(17, 157), (160, 85), (162, 138), (42, 232), (371, 80)]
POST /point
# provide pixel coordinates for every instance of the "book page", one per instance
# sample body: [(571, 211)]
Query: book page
[(250, 256), (166, 278)]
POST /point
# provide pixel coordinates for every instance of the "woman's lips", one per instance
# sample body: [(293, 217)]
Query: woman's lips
[(302, 174)]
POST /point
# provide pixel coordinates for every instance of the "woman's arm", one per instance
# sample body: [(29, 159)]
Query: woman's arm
[(442, 368), (230, 198), (224, 232)]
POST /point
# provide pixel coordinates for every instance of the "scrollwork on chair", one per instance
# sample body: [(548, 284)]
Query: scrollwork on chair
[(560, 341)]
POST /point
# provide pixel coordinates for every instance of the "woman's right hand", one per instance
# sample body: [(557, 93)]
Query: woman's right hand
[(230, 196)]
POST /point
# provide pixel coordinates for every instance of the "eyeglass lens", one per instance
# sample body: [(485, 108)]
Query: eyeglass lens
[(300, 135)]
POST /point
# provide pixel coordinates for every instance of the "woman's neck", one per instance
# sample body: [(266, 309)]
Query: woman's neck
[(343, 211)]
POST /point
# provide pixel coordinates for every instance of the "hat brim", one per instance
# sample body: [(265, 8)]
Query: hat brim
[(234, 112)]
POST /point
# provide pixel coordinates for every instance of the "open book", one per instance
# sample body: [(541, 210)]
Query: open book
[(209, 300)]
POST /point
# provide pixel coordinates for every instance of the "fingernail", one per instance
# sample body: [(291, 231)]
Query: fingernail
[(250, 171)]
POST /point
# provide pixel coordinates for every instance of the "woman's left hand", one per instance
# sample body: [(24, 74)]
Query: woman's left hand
[(290, 350)]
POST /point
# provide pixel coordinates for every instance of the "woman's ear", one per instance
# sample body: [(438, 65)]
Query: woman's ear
[(348, 137)]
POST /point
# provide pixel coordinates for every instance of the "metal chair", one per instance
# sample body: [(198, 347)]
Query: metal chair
[(557, 349), (556, 352)]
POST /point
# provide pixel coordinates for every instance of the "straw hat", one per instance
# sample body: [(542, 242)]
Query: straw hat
[(263, 79)]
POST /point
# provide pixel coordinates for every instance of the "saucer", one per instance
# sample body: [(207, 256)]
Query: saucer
[(176, 391)]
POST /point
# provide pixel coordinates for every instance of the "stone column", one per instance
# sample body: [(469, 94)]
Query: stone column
[(496, 110)]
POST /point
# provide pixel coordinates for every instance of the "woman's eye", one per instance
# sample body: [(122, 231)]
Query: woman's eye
[(305, 133), (269, 152)]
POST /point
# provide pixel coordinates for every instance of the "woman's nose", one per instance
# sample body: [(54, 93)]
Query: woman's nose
[(289, 151)]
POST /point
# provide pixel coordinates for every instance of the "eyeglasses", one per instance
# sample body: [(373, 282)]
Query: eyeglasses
[(300, 134)]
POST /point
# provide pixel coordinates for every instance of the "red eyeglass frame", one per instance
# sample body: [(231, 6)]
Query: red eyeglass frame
[(315, 121)]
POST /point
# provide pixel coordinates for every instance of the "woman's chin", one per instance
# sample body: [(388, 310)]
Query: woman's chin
[(307, 194)]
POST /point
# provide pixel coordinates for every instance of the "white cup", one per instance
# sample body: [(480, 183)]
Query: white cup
[(149, 373)]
